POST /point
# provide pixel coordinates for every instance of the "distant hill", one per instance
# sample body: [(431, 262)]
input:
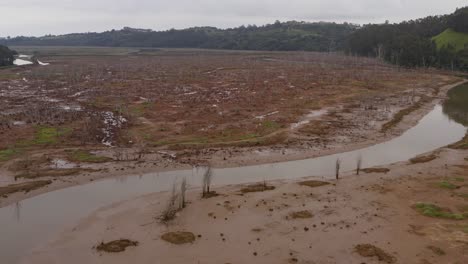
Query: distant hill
[(287, 36), (449, 37)]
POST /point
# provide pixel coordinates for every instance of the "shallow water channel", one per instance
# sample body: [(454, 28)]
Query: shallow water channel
[(32, 221)]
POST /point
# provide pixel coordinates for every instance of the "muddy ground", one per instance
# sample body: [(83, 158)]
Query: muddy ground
[(86, 117), (370, 218)]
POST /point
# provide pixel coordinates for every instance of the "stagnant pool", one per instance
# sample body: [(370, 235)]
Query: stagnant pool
[(35, 220)]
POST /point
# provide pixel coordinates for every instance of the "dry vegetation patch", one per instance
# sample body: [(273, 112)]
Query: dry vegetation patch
[(370, 251), (179, 238), (50, 173), (301, 215), (23, 187), (376, 170), (260, 187), (313, 184), (423, 159), (116, 245)]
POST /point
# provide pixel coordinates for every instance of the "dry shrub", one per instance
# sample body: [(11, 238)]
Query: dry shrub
[(116, 245)]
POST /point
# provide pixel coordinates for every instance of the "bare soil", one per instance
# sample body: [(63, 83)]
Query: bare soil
[(357, 219)]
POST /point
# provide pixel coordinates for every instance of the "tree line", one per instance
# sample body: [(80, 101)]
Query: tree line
[(286, 36)]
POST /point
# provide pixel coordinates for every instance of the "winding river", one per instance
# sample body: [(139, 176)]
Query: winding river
[(32, 221)]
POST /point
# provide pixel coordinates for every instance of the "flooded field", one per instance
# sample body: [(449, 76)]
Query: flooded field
[(34, 220)]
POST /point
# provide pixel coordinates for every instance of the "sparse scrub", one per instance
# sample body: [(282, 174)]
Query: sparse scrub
[(435, 211), (447, 185), (172, 208), (206, 183)]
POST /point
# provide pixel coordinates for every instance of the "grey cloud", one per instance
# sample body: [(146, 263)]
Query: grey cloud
[(39, 17)]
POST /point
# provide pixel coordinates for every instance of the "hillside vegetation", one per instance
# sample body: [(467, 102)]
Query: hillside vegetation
[(458, 40), (435, 41)]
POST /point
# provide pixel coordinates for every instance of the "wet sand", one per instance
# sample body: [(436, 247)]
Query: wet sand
[(374, 208)]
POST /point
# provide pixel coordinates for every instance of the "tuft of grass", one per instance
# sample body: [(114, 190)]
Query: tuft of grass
[(49, 135), (86, 156), (447, 185), (435, 211)]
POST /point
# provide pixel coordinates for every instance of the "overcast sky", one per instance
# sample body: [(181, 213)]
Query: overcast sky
[(40, 17)]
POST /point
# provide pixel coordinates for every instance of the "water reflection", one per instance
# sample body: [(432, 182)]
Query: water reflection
[(456, 107)]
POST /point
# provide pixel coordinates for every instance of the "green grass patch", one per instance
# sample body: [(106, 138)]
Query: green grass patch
[(85, 156), (49, 135), (435, 211), (447, 185), (450, 37), (7, 154), (270, 125), (459, 179)]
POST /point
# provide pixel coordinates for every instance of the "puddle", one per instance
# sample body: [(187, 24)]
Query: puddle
[(34, 220), (21, 62)]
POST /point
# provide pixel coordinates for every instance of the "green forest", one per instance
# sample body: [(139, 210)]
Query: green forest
[(434, 41), (6, 56)]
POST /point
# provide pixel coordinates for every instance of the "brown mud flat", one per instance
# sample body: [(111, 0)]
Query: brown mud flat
[(348, 216)]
